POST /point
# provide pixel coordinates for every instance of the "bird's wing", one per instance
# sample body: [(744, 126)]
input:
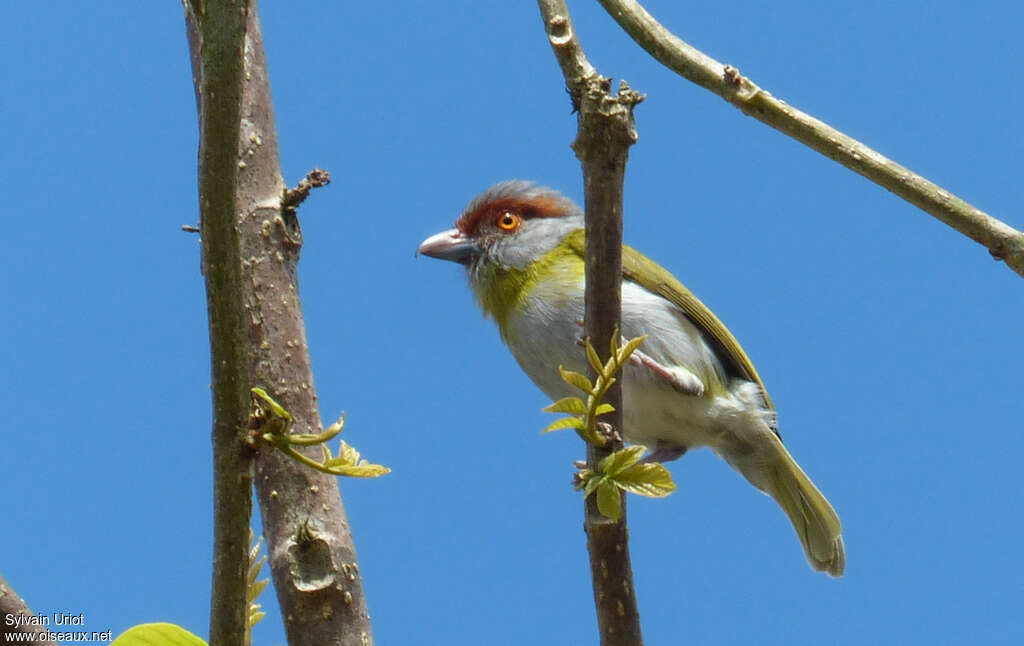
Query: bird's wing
[(654, 278)]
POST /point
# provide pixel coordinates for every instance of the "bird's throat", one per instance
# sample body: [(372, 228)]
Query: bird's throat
[(502, 291)]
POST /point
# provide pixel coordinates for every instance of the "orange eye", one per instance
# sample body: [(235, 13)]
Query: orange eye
[(509, 221)]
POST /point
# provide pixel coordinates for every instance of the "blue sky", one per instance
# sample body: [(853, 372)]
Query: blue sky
[(890, 344)]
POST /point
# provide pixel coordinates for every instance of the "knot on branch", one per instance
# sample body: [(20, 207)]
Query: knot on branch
[(606, 123)]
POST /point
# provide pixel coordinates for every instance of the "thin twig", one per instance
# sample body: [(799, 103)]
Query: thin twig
[(315, 178), (1003, 241), (576, 69), (605, 133)]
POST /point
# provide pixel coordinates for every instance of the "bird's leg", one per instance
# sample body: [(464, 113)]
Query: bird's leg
[(678, 377), (664, 453)]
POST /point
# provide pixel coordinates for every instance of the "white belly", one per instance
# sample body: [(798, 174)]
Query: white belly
[(545, 334)]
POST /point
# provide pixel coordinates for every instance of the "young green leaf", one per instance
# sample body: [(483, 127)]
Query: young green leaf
[(609, 500), (590, 480), (255, 589), (612, 365), (363, 470), (347, 453), (648, 479), (629, 347), (576, 379), (158, 633), (277, 409), (565, 422), (595, 361), (571, 405), (620, 460), (603, 409)]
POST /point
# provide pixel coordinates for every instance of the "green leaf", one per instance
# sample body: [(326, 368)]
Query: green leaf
[(609, 501), (565, 422), (613, 344), (576, 379), (612, 365), (254, 551), (347, 453), (159, 633), (571, 405), (595, 361), (255, 589), (648, 479), (363, 470), (590, 481), (274, 406), (630, 346), (255, 616), (621, 460), (581, 479), (603, 409)]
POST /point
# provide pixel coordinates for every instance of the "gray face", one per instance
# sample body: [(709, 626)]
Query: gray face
[(508, 226), (534, 238)]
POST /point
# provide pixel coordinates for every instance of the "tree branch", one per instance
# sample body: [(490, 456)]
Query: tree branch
[(14, 609), (605, 133), (310, 549), (217, 27), (1003, 242)]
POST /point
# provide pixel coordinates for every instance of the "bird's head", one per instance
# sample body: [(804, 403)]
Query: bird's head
[(509, 226)]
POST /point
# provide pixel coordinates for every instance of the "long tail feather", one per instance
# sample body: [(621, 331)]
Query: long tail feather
[(814, 519)]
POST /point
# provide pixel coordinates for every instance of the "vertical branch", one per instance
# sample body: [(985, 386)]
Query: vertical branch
[(309, 544), (220, 26), (605, 133)]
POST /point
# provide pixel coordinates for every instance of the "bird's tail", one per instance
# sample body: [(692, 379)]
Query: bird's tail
[(814, 519)]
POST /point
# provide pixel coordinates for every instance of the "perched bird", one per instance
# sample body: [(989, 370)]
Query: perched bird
[(693, 386)]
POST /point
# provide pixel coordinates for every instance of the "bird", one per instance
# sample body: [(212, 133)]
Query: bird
[(522, 245)]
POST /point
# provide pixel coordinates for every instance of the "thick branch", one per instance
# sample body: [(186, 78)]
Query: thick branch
[(606, 131), (310, 548), (1003, 242), (218, 28), (15, 617)]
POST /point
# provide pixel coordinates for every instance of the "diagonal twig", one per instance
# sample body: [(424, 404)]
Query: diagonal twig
[(1003, 241)]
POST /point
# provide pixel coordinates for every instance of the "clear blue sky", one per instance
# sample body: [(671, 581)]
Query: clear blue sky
[(891, 344)]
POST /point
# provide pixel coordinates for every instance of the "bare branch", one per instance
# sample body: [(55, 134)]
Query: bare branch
[(217, 28), (576, 69), (1003, 242), (309, 544), (16, 626), (606, 131)]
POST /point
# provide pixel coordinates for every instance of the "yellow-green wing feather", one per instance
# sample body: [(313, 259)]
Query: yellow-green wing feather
[(652, 277)]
